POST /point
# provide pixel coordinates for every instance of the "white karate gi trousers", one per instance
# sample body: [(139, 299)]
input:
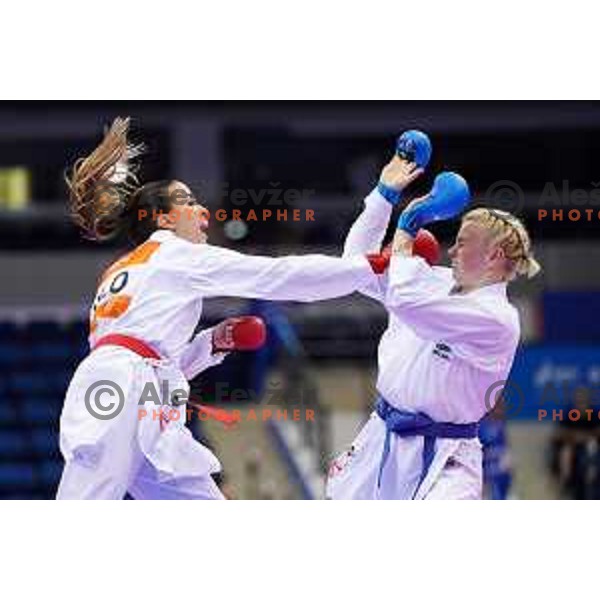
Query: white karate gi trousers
[(454, 474), (104, 459)]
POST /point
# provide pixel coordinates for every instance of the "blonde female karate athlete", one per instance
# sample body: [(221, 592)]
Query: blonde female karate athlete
[(452, 333), (146, 308)]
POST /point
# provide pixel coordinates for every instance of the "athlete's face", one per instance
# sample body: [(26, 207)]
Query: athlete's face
[(188, 218), (472, 255)]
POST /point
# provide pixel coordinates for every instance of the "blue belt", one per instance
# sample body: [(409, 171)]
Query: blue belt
[(407, 424)]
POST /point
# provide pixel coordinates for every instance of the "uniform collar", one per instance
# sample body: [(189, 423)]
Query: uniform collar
[(162, 235), (492, 289)]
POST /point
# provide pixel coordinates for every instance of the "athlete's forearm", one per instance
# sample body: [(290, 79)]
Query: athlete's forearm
[(198, 355), (367, 232)]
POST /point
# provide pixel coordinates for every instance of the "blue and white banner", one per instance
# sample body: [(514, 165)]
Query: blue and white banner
[(547, 377)]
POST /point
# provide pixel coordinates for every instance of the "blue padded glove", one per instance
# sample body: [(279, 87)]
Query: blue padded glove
[(413, 146), (448, 197)]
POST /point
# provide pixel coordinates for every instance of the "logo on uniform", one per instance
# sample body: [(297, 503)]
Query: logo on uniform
[(341, 462), (443, 351)]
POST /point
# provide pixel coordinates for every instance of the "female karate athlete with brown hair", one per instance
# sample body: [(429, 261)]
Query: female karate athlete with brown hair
[(145, 311)]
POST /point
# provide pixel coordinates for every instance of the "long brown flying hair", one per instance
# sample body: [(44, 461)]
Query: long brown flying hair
[(103, 184)]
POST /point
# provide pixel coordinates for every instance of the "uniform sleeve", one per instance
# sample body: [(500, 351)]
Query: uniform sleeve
[(473, 331), (366, 236), (367, 232), (198, 356), (375, 287), (215, 271)]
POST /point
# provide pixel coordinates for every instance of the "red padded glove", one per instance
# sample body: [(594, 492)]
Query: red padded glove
[(239, 333), (425, 245), (381, 261)]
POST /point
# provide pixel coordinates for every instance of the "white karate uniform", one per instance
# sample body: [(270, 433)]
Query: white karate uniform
[(439, 355), (155, 294)]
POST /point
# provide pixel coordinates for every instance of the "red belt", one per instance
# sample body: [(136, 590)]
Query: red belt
[(145, 351), (126, 341)]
